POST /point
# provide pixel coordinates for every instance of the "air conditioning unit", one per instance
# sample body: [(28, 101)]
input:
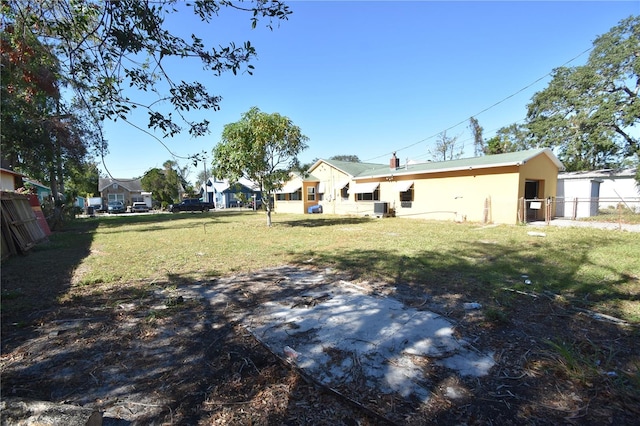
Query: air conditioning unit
[(380, 209)]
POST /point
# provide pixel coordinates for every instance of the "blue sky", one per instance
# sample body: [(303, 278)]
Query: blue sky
[(369, 78)]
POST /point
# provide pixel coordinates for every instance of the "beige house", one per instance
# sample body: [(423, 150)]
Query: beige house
[(502, 188), (127, 191)]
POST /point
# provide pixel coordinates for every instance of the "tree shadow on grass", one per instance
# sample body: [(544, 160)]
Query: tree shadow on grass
[(523, 322), (319, 221), (32, 283), (162, 353), (482, 270), (156, 357)]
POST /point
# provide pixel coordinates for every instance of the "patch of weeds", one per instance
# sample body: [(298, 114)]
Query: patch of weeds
[(568, 358), (69, 298), (20, 324), (154, 315), (584, 362), (633, 378), (11, 294), (138, 292), (496, 315), (174, 301), (90, 281)]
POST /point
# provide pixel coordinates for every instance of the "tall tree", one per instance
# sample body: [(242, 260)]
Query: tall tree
[(261, 147), (479, 147), (446, 148), (31, 129), (165, 183), (590, 113), (515, 137), (82, 179)]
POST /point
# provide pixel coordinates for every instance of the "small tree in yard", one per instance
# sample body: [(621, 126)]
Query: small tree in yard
[(261, 147)]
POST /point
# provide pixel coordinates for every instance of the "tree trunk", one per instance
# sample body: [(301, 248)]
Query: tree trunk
[(59, 170), (268, 204)]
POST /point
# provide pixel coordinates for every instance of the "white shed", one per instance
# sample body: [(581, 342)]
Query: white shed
[(582, 194)]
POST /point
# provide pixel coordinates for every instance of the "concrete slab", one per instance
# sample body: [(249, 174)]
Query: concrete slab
[(340, 334)]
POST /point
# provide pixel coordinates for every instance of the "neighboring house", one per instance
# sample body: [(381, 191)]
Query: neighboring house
[(10, 180), (583, 194), (225, 194), (128, 191), (484, 189), (42, 191)]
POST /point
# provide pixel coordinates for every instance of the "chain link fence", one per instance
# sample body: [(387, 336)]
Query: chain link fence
[(606, 209)]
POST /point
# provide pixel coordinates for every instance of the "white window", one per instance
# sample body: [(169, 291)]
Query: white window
[(311, 193), (116, 197), (366, 191)]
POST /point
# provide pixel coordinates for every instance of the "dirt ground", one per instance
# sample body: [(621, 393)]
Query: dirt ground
[(162, 354)]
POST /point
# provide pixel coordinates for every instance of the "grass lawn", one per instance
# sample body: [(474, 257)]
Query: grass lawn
[(98, 301), (594, 269)]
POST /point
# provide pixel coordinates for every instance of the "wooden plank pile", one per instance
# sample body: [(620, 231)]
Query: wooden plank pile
[(20, 228)]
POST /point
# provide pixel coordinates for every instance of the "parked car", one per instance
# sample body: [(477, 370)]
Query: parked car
[(139, 207), (315, 209), (115, 207), (96, 203), (191, 205)]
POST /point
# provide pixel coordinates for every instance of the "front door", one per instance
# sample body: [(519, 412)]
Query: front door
[(531, 192)]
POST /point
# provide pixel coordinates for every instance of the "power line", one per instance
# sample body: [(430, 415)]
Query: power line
[(483, 111)]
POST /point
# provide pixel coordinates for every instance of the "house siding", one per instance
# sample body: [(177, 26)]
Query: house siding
[(288, 205), (125, 190), (542, 170), (487, 195), (10, 180), (331, 197), (476, 192)]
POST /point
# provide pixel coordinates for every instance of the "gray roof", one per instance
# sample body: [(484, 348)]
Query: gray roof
[(131, 185), (370, 170)]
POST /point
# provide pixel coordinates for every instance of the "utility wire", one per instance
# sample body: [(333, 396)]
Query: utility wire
[(483, 111)]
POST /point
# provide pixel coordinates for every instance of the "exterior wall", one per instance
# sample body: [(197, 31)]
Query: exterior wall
[(147, 198), (609, 187), (307, 202), (619, 187), (115, 190), (540, 168), (331, 199), (579, 188), (43, 193), (487, 195), (9, 180), (288, 205), (543, 170), (128, 196)]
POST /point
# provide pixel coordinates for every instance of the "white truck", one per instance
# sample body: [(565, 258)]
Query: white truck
[(95, 202)]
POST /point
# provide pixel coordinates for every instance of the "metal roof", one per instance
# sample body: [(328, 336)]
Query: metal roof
[(370, 170)]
